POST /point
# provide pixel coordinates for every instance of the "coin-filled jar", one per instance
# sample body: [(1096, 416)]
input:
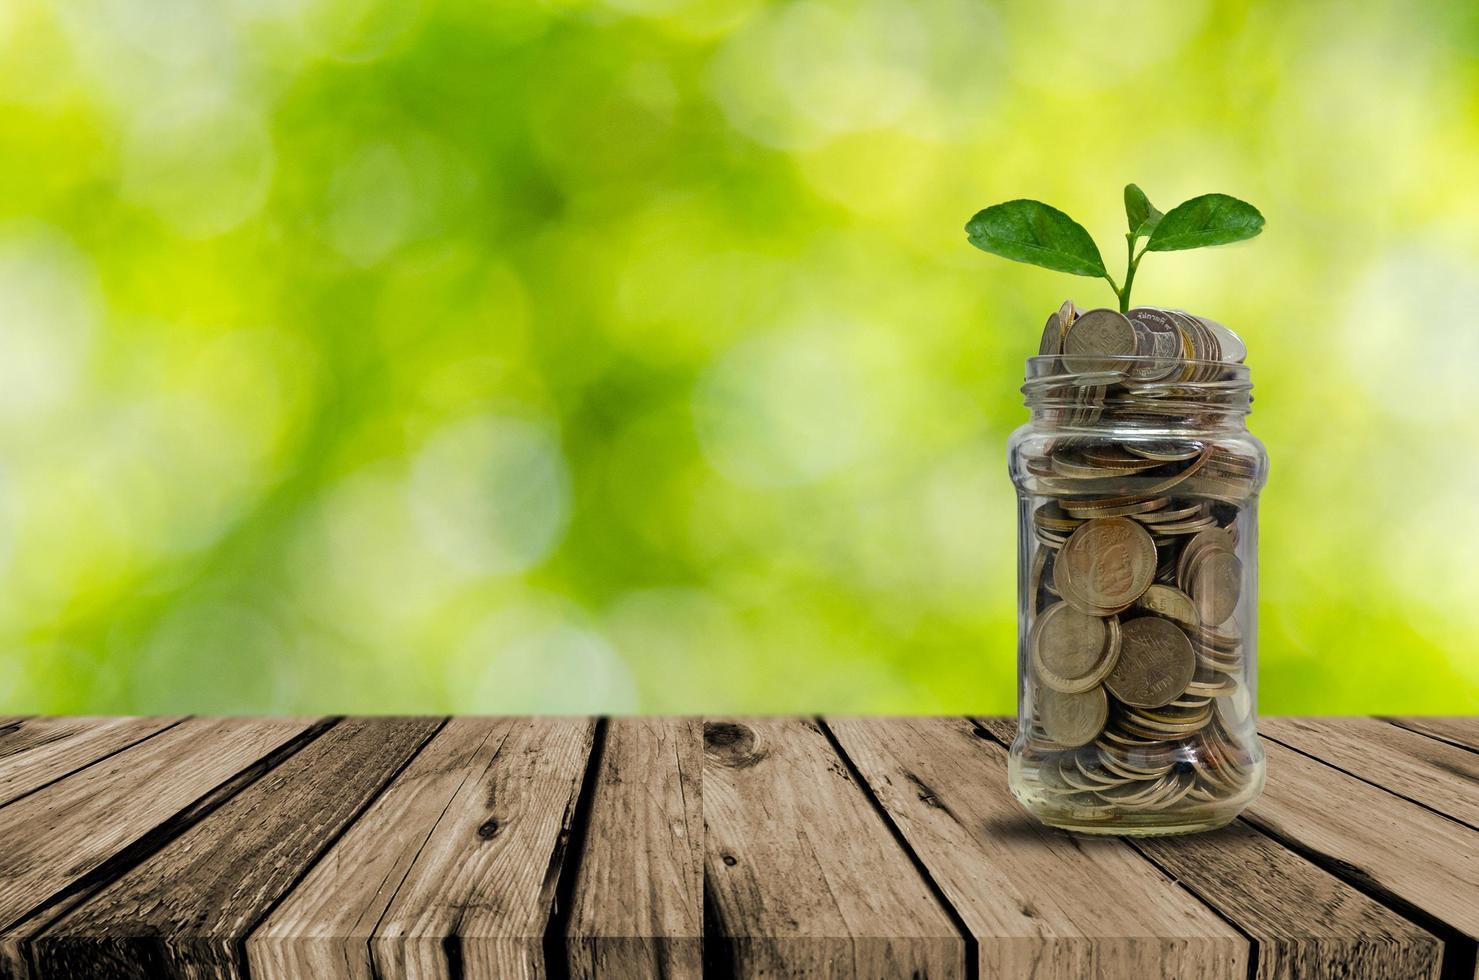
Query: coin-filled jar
[(1137, 483)]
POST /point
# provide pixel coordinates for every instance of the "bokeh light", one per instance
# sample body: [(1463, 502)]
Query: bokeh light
[(627, 355)]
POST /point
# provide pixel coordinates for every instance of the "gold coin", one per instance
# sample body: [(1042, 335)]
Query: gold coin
[(1051, 516), (1098, 332), (1212, 537), (1114, 458), (1072, 719), (1167, 515), (1172, 604), (1113, 507), (1233, 349), (1106, 564), (1165, 450), (1158, 340), (1216, 585), (1071, 651), (1155, 665), (1052, 336), (1076, 467), (1192, 526), (1183, 475), (1035, 576)]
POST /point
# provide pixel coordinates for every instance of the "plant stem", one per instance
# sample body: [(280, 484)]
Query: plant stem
[(1132, 263)]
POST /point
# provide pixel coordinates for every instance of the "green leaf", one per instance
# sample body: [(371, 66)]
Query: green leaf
[(1212, 219), (1142, 215), (1033, 232)]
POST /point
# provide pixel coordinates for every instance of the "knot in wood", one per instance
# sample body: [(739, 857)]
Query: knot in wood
[(731, 744)]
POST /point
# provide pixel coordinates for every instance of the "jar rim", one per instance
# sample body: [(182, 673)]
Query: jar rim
[(1132, 386), (1050, 361)]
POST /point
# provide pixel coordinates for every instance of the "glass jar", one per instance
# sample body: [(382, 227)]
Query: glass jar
[(1137, 486)]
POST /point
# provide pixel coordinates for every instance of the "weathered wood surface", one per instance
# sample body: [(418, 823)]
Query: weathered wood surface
[(37, 751), (1424, 864), (1435, 774), (324, 928), (1039, 903), (637, 909), (1300, 918), (182, 911), (801, 874), (1459, 731), (680, 847)]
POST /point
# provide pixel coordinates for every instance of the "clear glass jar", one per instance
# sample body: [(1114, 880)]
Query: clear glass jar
[(1137, 486)]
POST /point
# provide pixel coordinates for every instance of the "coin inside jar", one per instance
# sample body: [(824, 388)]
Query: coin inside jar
[(1072, 719), (1072, 651), (1216, 584), (1155, 665), (1106, 564), (1172, 604), (1098, 332)]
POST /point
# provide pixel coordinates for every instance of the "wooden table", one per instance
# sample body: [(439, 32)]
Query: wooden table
[(671, 847)]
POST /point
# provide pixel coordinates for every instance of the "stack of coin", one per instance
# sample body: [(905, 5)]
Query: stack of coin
[(1138, 685)]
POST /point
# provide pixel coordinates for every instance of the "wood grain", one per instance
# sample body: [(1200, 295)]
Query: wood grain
[(638, 895), (802, 875), (482, 888), (1423, 769), (1461, 731), (1040, 903), (183, 911), (37, 751), (323, 928), (1387, 845), (1307, 922), (492, 847), (60, 834)]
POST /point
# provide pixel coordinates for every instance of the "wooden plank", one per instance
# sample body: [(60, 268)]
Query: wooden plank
[(324, 926), (1003, 729), (1461, 731), (477, 900), (1426, 863), (184, 911), (58, 835), (1307, 922), (802, 875), (37, 751), (1040, 903), (638, 897), (1423, 769)]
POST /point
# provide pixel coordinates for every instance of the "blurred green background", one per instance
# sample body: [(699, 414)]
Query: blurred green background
[(384, 355)]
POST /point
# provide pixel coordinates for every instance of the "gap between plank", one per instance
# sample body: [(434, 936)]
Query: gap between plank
[(1459, 950), (556, 951), (88, 765), (718, 956), (1368, 782), (452, 950), (1417, 731), (1255, 951), (972, 946), (455, 947), (152, 841), (241, 940)]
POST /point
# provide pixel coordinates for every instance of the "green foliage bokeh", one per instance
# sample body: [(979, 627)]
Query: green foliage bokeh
[(516, 356)]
